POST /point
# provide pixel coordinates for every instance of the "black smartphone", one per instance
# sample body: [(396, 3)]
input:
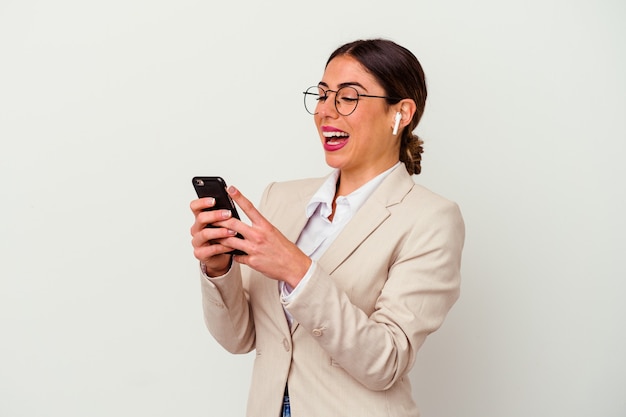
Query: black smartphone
[(216, 187)]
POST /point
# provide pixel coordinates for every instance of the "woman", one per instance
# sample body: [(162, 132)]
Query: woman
[(346, 275)]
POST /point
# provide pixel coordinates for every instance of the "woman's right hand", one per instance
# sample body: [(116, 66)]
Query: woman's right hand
[(205, 240)]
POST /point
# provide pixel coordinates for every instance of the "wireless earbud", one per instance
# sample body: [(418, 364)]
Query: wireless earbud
[(397, 124)]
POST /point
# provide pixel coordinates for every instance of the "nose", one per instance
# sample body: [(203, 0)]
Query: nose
[(328, 108)]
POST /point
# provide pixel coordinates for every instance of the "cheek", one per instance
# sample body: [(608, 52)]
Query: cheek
[(317, 123), (317, 120), (361, 127)]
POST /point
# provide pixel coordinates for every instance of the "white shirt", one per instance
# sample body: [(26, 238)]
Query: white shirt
[(319, 232)]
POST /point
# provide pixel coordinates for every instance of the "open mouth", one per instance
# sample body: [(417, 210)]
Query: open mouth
[(335, 137)]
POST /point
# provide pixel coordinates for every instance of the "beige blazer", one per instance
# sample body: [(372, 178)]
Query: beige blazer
[(387, 281)]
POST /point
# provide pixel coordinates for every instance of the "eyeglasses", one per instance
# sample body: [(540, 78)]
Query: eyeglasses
[(346, 99)]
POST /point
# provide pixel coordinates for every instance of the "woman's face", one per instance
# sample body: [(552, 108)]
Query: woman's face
[(361, 143)]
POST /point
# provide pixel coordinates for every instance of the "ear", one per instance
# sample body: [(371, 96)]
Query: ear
[(407, 109), (403, 113)]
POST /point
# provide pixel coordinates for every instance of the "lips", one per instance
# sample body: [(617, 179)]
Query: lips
[(335, 138)]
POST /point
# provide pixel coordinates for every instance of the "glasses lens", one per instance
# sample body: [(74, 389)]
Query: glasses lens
[(312, 98), (346, 100)]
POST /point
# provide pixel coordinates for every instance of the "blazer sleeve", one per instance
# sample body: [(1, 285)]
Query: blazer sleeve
[(226, 306), (227, 312), (421, 285)]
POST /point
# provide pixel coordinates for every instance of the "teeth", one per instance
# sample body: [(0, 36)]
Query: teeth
[(335, 134)]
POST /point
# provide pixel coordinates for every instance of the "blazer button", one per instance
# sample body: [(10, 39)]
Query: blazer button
[(286, 344), (317, 332)]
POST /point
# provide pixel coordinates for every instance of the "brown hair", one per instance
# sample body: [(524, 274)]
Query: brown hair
[(401, 75)]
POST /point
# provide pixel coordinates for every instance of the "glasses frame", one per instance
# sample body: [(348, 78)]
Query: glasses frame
[(358, 97)]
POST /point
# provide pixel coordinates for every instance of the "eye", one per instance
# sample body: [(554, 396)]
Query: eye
[(348, 95)]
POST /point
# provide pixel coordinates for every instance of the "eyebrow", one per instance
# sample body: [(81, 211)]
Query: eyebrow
[(347, 84)]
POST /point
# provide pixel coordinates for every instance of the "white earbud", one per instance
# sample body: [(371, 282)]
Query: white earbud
[(397, 125)]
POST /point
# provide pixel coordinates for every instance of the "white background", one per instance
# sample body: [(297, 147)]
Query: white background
[(107, 109)]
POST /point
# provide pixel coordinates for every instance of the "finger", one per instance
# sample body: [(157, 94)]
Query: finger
[(211, 217), (241, 259), (211, 254), (200, 204), (235, 242), (208, 243), (246, 206), (209, 235)]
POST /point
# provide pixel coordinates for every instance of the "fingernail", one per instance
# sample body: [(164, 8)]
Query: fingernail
[(211, 201), (232, 232), (225, 214), (231, 190)]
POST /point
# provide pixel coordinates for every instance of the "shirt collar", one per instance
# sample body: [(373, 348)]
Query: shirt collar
[(323, 197)]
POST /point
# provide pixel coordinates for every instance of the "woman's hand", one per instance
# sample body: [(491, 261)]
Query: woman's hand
[(268, 251), (206, 240)]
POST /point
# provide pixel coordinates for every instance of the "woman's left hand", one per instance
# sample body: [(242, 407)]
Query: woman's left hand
[(268, 250)]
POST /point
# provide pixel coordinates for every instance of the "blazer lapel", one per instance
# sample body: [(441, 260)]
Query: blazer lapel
[(374, 212), (291, 227)]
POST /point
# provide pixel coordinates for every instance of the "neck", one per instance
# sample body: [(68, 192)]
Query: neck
[(350, 181)]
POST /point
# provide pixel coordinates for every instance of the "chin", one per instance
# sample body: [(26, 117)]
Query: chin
[(333, 162)]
